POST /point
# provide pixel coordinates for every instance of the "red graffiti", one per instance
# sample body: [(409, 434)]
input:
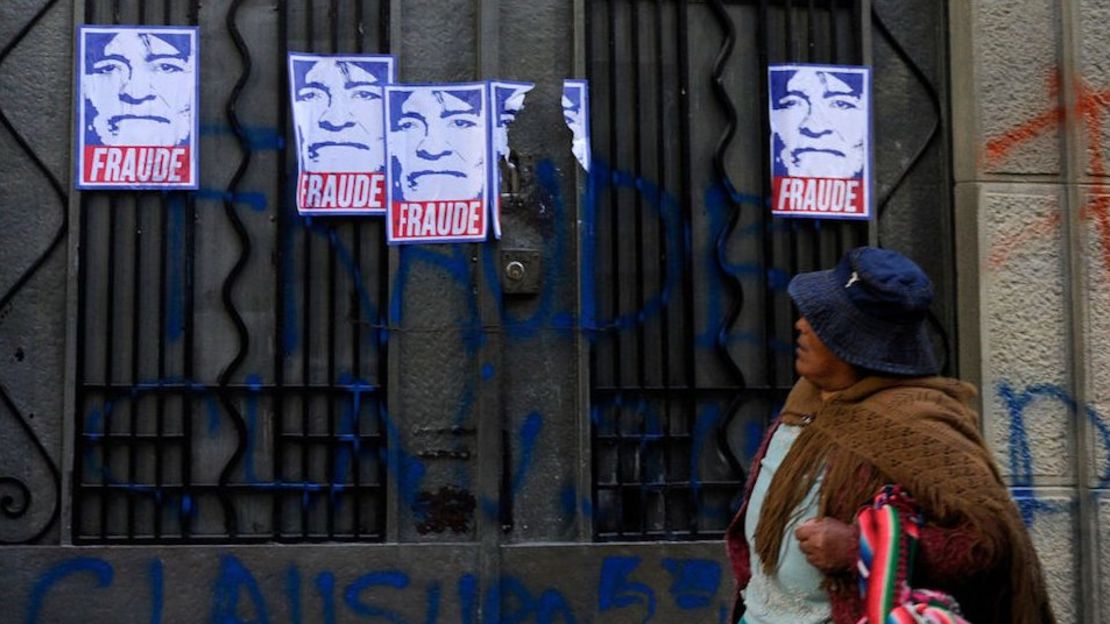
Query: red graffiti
[(1090, 109)]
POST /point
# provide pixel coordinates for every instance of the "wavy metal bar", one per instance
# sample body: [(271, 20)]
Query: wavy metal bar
[(934, 99), (7, 503), (230, 520), (722, 239)]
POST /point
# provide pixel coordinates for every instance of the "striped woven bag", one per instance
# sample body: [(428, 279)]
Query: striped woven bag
[(889, 530)]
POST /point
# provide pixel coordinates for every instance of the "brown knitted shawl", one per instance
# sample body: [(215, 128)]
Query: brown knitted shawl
[(918, 433)]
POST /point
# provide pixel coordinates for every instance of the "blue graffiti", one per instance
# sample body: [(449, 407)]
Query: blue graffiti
[(232, 579), (390, 578), (468, 598), (100, 569), (549, 607), (1020, 455), (695, 582), (325, 588), (616, 591), (293, 593), (529, 433), (238, 598), (157, 584)]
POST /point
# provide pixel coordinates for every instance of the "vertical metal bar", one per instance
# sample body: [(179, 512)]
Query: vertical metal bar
[(788, 24), (186, 505), (279, 276), (861, 19), (661, 154), (136, 310), (811, 32), (637, 167), (135, 329), (306, 329), (109, 342), (81, 396), (766, 222), (614, 255), (689, 364), (333, 238), (389, 505), (159, 400), (356, 337), (588, 475), (168, 203)]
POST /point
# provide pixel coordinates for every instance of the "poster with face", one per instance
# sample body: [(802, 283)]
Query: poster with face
[(508, 101), (576, 114), (136, 107), (820, 141), (337, 113), (438, 155)]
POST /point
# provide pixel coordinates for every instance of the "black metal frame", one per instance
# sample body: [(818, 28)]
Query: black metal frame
[(625, 444), (118, 497)]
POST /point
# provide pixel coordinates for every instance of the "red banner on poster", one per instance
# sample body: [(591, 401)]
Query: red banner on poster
[(818, 196), (339, 191), (437, 220), (133, 164)]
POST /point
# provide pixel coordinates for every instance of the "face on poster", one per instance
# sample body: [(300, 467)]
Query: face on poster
[(438, 150), (820, 140), (508, 101), (337, 113), (136, 107), (576, 114)]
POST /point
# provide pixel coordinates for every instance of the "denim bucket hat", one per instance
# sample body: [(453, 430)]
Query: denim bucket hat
[(870, 311)]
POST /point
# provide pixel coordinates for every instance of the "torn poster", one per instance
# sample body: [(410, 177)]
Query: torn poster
[(576, 113), (508, 101)]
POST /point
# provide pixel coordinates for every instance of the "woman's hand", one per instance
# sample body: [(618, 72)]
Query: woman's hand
[(828, 544)]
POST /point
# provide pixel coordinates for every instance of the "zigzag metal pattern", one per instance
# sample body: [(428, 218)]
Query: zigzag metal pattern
[(730, 278), (10, 507), (243, 335)]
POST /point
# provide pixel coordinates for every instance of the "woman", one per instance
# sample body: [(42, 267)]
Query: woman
[(868, 411)]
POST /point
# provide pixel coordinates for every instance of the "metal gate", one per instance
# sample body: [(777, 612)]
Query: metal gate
[(280, 435), (231, 356), (693, 330)]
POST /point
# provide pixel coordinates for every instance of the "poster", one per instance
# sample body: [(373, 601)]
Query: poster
[(820, 141), (137, 107), (439, 173), (576, 114), (337, 114), (508, 101)]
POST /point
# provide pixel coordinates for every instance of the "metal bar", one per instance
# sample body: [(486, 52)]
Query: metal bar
[(306, 306), (333, 237), (136, 288), (767, 225), (109, 342), (661, 153), (388, 508), (614, 229), (588, 463), (638, 170), (278, 424), (811, 31), (690, 404), (356, 328)]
